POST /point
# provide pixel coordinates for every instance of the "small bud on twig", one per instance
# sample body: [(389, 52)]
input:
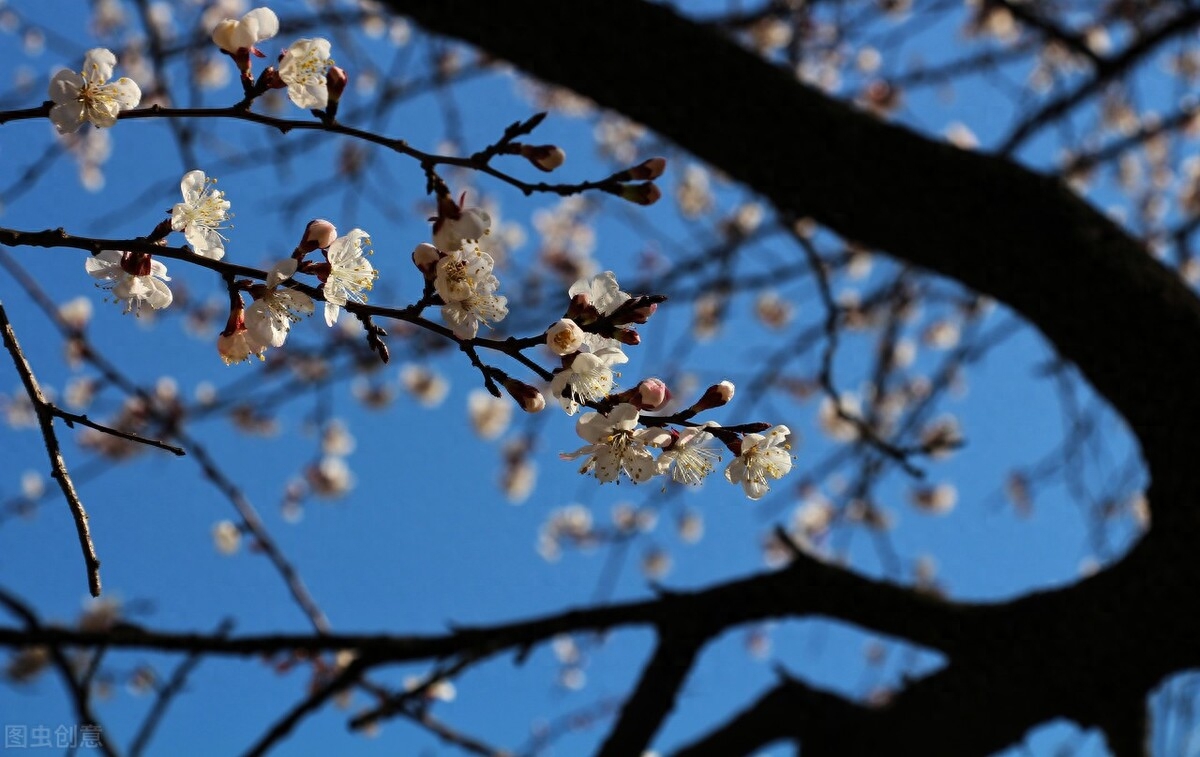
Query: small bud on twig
[(543, 157), (530, 399)]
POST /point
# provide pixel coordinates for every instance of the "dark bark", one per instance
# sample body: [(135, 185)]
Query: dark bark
[(1128, 323)]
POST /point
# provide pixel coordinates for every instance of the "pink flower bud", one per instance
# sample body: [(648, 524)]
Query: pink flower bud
[(637, 309), (318, 235), (648, 169), (544, 157), (425, 257), (335, 81), (564, 337), (646, 193), (627, 336), (530, 399), (652, 394)]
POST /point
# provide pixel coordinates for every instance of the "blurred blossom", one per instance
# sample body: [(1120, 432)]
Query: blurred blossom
[(941, 437), (76, 312), (33, 486), (227, 537), (694, 192), (961, 136), (99, 614), (490, 416), (690, 526), (518, 480), (772, 310), (372, 394), (427, 387), (26, 663), (942, 334), (656, 563), (706, 316), (937, 500), (336, 439), (833, 423), (329, 478)]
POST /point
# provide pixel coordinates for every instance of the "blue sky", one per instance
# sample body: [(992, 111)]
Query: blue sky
[(424, 538)]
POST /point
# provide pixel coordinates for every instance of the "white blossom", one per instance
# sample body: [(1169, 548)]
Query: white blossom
[(88, 96), (762, 456), (463, 271), (133, 278), (350, 273), (589, 378), (602, 292), (201, 214), (464, 316), (254, 27), (303, 68), (270, 318), (465, 282), (615, 446), (472, 225), (564, 337), (689, 459)]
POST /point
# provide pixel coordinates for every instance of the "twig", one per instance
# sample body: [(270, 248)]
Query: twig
[(58, 464), (167, 693)]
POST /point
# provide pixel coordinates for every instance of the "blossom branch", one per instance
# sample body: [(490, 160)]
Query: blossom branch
[(480, 161), (45, 415)]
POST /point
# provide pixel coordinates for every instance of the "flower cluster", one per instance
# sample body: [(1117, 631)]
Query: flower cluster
[(618, 446), (460, 271)]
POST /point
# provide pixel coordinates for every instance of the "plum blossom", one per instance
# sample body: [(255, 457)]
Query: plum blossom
[(564, 337), (236, 344), (350, 273), (688, 458), (201, 214), (472, 224), (88, 95), (133, 278), (302, 68), (465, 282), (761, 456), (270, 318), (589, 378), (482, 306), (462, 272), (615, 446), (254, 27), (602, 292)]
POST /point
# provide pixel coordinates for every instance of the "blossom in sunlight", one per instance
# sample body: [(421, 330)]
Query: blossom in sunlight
[(615, 446), (201, 214), (762, 456), (564, 337), (236, 344), (603, 292), (350, 273), (270, 318), (462, 272), (465, 282), (254, 27), (465, 315), (589, 378), (689, 459), (89, 96), (302, 68), (471, 225), (134, 278)]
